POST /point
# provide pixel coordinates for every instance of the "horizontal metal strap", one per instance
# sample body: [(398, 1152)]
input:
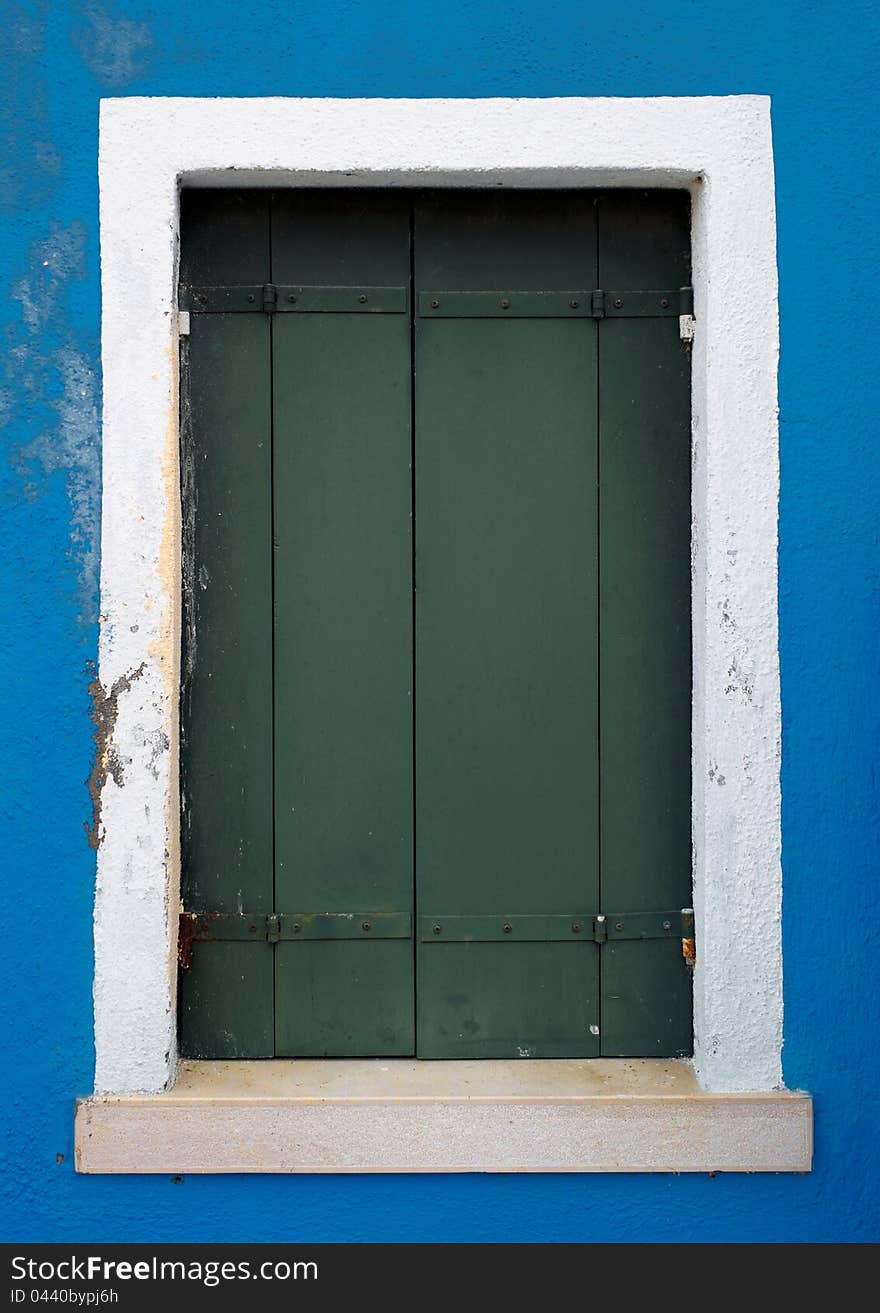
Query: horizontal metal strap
[(288, 299), (581, 304), (575, 926), (275, 926), (283, 299)]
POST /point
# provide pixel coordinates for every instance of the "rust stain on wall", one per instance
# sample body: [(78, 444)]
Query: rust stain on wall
[(107, 763)]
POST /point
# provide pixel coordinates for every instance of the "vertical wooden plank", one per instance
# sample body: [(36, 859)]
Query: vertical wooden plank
[(645, 664), (226, 759), (506, 642), (343, 625)]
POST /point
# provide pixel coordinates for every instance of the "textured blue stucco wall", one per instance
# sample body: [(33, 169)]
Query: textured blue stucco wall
[(816, 61)]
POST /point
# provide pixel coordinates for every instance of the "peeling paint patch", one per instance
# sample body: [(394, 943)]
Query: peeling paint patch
[(740, 682), (159, 742), (30, 163), (50, 399), (107, 763), (115, 48), (52, 263), (727, 621)]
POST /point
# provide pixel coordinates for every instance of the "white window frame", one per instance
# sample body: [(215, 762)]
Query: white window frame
[(720, 149)]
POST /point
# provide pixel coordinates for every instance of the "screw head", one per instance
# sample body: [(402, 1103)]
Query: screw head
[(577, 927), (291, 298), (362, 298), (296, 927), (507, 927), (365, 925), (667, 925), (203, 300), (434, 305), (435, 929), (252, 297), (505, 304), (618, 303), (574, 304), (618, 925), (665, 303)]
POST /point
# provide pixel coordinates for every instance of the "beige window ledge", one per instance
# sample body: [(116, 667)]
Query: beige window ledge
[(400, 1115)]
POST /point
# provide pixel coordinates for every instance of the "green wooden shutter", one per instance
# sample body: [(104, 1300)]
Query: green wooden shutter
[(226, 758), (343, 630), (483, 798), (644, 625), (506, 633)]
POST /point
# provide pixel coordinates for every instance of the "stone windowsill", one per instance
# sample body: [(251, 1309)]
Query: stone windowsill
[(401, 1115)]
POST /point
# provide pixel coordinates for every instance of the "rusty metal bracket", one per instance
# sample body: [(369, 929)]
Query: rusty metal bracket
[(185, 934)]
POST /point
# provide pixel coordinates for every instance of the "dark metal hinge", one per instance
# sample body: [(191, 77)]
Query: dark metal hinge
[(270, 298)]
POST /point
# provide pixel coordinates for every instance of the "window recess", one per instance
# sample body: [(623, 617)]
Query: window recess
[(436, 714)]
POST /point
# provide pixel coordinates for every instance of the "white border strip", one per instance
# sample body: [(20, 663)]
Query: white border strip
[(721, 148)]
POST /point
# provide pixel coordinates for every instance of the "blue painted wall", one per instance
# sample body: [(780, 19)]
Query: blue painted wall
[(816, 60)]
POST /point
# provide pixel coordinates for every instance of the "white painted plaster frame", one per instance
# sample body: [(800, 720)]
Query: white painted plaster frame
[(718, 147)]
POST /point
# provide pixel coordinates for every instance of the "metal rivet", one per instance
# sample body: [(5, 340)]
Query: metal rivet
[(434, 305), (204, 300), (436, 929), (665, 303), (365, 925), (574, 304), (252, 298), (577, 927), (296, 927), (618, 303), (667, 925), (618, 925), (505, 304), (507, 927), (291, 298), (362, 299)]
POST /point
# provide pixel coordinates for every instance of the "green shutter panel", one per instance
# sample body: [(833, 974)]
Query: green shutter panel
[(506, 642), (644, 623), (343, 627), (226, 758)]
